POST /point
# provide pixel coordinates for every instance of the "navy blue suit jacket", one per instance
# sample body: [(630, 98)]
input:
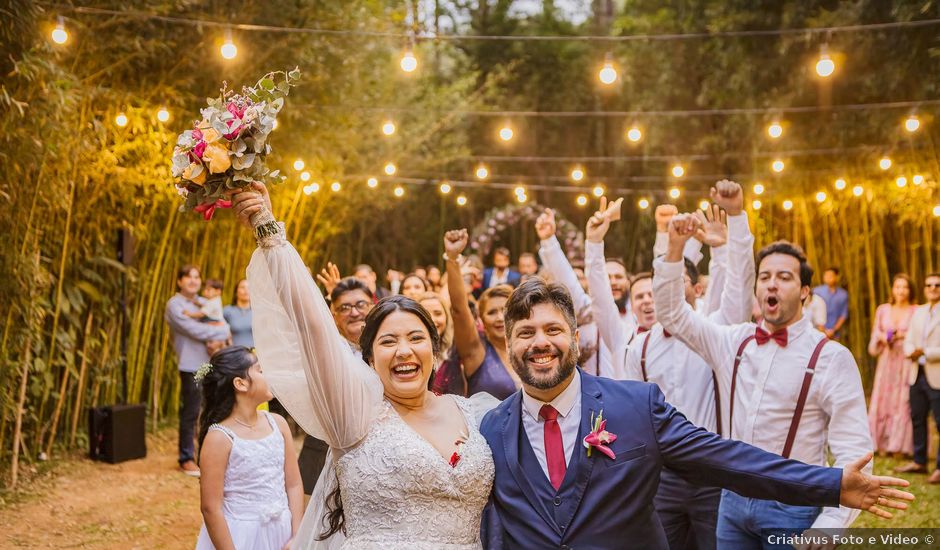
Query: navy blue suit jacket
[(608, 503), (513, 279)]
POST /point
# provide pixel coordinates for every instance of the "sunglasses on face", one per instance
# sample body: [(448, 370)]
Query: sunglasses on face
[(361, 306)]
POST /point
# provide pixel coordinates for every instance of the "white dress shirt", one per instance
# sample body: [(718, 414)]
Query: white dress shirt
[(568, 405), (769, 381), (617, 331)]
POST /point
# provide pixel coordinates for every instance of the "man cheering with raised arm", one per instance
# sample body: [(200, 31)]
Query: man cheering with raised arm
[(784, 379)]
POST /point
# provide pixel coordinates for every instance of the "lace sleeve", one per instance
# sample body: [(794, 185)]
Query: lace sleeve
[(331, 393)]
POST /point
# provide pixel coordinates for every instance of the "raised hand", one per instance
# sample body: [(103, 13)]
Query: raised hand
[(545, 224), (681, 228), (664, 213), (329, 277), (714, 229), (867, 492), (599, 223), (251, 200), (454, 242), (728, 195)]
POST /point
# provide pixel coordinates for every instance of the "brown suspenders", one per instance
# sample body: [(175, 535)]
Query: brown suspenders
[(800, 402), (714, 381)]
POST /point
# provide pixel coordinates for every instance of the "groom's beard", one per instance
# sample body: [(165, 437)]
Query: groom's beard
[(566, 366)]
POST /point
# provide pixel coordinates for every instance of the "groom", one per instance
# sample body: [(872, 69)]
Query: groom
[(551, 492)]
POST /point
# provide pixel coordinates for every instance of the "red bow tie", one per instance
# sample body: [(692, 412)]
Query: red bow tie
[(641, 330), (762, 337)]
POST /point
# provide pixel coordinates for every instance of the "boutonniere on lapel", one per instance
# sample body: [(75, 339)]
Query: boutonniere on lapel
[(599, 438), (455, 458)]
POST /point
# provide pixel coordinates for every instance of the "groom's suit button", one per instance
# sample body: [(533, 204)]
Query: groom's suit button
[(557, 501)]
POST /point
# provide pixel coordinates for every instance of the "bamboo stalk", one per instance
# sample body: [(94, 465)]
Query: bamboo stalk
[(80, 387), (20, 409)]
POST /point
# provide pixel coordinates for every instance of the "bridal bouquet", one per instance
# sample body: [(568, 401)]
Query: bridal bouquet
[(227, 148)]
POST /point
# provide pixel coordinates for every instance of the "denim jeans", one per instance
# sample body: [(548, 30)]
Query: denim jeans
[(688, 512), (745, 523), (190, 401), (924, 400)]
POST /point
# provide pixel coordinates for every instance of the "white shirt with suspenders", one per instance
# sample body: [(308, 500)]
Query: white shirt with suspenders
[(769, 380)]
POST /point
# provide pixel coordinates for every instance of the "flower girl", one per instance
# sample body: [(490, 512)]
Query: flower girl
[(252, 498)]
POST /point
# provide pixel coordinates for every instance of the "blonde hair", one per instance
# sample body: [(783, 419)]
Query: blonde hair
[(447, 337), (498, 291)]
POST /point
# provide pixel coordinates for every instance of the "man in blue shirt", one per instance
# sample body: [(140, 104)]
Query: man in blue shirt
[(837, 303)]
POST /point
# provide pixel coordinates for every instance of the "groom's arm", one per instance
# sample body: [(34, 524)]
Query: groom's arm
[(704, 458)]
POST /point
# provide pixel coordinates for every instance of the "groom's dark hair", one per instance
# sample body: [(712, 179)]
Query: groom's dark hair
[(533, 292)]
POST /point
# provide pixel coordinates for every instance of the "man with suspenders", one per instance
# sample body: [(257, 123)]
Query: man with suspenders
[(688, 512), (781, 379)]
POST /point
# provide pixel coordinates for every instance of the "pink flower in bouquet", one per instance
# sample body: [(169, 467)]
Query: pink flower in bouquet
[(216, 156), (198, 150), (236, 123), (208, 209)]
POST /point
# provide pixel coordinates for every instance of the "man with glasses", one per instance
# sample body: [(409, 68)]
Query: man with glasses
[(350, 302), (922, 347)]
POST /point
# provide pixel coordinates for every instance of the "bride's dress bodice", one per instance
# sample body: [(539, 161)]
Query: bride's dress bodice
[(397, 488)]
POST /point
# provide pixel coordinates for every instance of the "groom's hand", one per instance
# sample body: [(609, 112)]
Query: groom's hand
[(867, 492), (251, 200)]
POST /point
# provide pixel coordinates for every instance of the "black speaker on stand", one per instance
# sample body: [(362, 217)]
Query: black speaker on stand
[(118, 432)]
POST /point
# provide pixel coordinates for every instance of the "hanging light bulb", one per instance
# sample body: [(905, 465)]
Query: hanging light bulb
[(399, 191), (901, 181), (678, 171), (408, 61), (758, 188), (674, 193), (884, 163), (840, 184), (388, 128), (936, 211), (521, 197), (305, 176), (577, 174), (336, 186), (821, 196), (505, 133), (163, 115), (918, 179), (825, 66), (372, 182), (228, 49), (59, 34), (390, 169), (598, 191), (445, 188), (643, 204), (858, 190), (519, 190), (461, 200), (608, 74), (775, 130), (582, 200), (312, 188), (788, 205), (756, 205), (634, 134), (121, 120), (703, 205), (777, 166), (299, 164), (912, 123), (482, 173)]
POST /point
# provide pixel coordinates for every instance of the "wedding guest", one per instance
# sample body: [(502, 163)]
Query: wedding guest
[(193, 342), (366, 274), (889, 410), (483, 354), (414, 285), (528, 265), (238, 316), (922, 347), (837, 303), (814, 309), (434, 277), (420, 272), (829, 413), (501, 273), (448, 376), (251, 494)]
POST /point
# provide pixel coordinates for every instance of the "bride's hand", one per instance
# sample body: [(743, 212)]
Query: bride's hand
[(251, 200)]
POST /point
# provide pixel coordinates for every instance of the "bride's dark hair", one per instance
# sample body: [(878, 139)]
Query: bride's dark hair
[(385, 307)]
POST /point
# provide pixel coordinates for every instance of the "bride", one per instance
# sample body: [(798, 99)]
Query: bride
[(411, 468)]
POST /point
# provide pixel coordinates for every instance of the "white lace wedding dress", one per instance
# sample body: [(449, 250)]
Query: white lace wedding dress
[(397, 490)]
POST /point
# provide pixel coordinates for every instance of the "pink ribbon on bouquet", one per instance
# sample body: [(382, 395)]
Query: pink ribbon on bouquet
[(208, 209)]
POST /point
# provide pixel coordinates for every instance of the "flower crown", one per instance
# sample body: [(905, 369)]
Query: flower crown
[(201, 373)]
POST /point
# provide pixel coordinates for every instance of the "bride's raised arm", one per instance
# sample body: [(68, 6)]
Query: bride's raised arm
[(312, 371)]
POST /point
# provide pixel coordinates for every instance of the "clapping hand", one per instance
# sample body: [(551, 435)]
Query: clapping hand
[(329, 277), (599, 223), (867, 492), (545, 224), (728, 195), (454, 242), (714, 228), (251, 200)]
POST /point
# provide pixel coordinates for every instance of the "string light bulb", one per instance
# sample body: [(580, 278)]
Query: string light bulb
[(121, 120), (388, 128), (582, 200), (777, 166), (821, 196), (901, 181), (703, 205), (758, 188), (482, 173), (505, 133), (163, 115), (775, 130), (840, 184), (577, 174), (461, 200), (678, 171), (372, 182), (912, 123), (299, 164), (598, 191), (634, 134), (59, 34), (445, 188), (918, 179), (521, 197), (228, 50), (674, 193), (858, 190), (399, 191), (884, 163), (756, 205), (305, 176), (335, 186), (607, 74), (519, 190), (788, 205), (408, 61), (643, 204), (311, 189), (825, 66), (390, 169), (936, 211)]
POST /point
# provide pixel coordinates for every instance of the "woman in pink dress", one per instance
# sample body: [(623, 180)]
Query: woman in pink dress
[(889, 414)]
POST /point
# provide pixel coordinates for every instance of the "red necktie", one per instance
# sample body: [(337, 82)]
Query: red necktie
[(554, 446), (762, 337)]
